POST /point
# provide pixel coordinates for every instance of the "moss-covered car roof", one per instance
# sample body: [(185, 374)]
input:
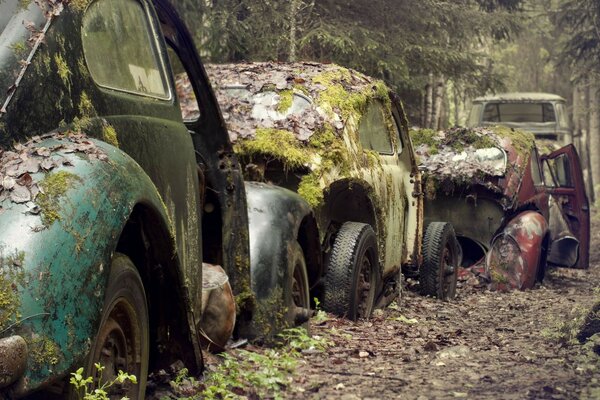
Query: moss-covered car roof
[(335, 92), (463, 156)]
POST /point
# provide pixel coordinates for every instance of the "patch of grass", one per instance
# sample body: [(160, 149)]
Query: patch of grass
[(260, 375)]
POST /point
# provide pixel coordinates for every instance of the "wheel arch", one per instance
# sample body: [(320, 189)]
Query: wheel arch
[(147, 241), (284, 218), (351, 200)]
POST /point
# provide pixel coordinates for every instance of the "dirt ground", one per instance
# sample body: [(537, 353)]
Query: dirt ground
[(483, 345)]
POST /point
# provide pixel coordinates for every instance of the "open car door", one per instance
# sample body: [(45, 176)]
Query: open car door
[(569, 208)]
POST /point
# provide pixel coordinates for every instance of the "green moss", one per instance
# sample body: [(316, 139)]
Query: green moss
[(82, 124), (9, 302), (19, 48), (310, 189), (62, 69), (79, 5), (86, 107), (458, 138), (109, 135), (336, 97), (43, 351), (270, 314), (24, 4), (279, 144), (426, 137), (54, 186), (522, 141), (286, 98)]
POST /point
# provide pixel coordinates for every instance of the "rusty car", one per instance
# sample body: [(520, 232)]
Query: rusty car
[(110, 202), (514, 209), (340, 139), (543, 114)]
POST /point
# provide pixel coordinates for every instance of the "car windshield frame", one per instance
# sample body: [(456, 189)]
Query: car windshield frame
[(16, 48)]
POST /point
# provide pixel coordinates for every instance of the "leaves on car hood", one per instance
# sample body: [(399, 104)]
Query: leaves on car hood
[(18, 165), (305, 79)]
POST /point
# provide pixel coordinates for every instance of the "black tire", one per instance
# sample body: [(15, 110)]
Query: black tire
[(439, 272), (122, 341), (297, 298), (353, 275)]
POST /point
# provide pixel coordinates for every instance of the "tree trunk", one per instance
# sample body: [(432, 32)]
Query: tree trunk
[(429, 103), (456, 100), (594, 133), (293, 19), (440, 85), (580, 135)]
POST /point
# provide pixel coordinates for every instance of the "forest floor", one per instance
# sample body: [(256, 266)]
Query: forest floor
[(483, 345)]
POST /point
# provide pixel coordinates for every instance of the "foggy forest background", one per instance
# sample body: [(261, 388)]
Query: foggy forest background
[(436, 54)]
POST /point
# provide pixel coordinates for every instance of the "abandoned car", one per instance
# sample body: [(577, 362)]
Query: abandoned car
[(514, 210), (340, 139), (543, 114), (110, 202)]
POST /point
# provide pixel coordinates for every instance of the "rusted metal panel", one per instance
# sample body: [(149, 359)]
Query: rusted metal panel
[(515, 254)]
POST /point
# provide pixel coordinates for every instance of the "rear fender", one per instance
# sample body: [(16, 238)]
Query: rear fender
[(515, 254), (55, 250), (276, 218)]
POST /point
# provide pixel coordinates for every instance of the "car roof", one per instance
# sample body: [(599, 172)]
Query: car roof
[(520, 96), (329, 87)]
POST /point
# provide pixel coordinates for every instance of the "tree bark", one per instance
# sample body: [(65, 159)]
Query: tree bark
[(293, 20), (429, 103), (440, 85)]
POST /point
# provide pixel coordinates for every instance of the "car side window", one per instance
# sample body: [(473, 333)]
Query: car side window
[(559, 168), (373, 129), (188, 102), (536, 171), (396, 128), (120, 48)]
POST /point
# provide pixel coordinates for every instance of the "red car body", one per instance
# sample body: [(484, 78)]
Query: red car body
[(512, 220)]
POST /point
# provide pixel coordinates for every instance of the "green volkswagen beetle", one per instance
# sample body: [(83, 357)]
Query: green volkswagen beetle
[(110, 202)]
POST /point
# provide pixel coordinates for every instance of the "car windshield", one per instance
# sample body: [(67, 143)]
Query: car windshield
[(269, 105), (18, 19), (519, 112)]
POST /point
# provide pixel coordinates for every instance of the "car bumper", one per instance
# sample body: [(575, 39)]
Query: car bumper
[(13, 360)]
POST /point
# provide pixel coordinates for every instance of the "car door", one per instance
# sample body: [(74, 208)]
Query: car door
[(384, 175), (566, 188)]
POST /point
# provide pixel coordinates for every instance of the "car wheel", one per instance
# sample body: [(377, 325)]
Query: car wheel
[(122, 340), (353, 275), (439, 272), (297, 298)]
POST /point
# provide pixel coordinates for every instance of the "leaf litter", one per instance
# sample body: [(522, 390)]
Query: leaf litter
[(19, 165)]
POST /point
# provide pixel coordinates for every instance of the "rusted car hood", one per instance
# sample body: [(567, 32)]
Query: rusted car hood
[(491, 158)]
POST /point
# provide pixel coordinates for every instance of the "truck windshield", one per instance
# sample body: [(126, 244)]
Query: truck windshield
[(16, 17), (519, 112)]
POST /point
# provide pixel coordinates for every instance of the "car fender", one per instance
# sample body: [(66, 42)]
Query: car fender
[(55, 250), (514, 258), (275, 218)]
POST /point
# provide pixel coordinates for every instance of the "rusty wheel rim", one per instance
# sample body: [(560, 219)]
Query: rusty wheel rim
[(364, 286), (447, 270), (118, 349), (298, 285)]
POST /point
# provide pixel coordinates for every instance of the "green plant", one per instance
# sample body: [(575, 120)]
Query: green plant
[(84, 387), (320, 315), (263, 375)]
